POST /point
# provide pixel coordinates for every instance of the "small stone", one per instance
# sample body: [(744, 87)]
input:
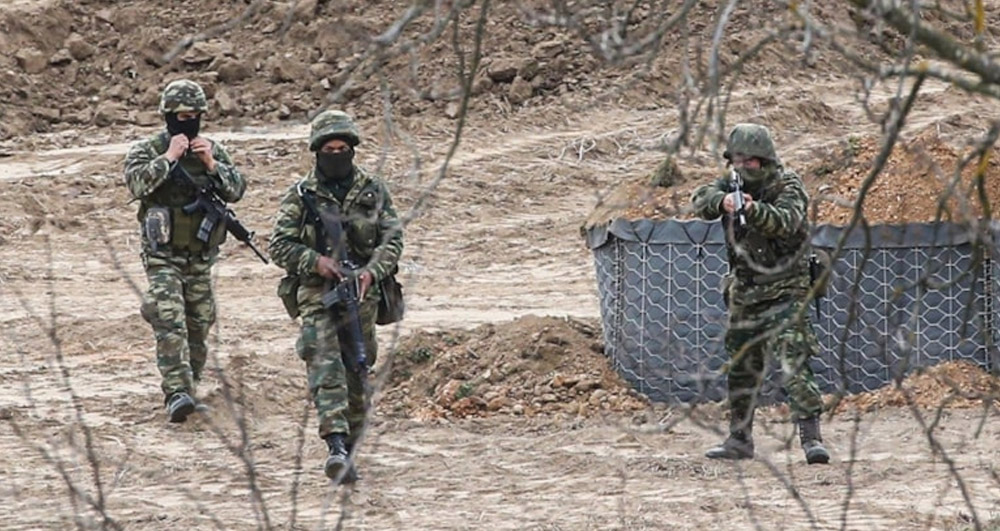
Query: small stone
[(597, 397), (129, 18), (117, 92), (502, 70), (481, 85), (31, 60), (520, 91), (446, 393), (200, 53), (498, 403), (105, 15), (528, 69), (108, 113), (548, 49), (305, 9), (232, 70), (585, 385), (318, 70), (226, 103), (61, 58), (286, 70), (49, 113), (79, 48), (564, 381)]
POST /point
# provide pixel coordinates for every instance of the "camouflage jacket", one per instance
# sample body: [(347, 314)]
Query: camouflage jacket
[(374, 234), (769, 258), (148, 178)]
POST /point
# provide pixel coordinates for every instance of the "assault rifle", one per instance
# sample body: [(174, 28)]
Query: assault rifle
[(214, 210), (342, 298)]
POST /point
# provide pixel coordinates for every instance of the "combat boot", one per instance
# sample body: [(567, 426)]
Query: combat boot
[(739, 444), (179, 406), (337, 458), (352, 471), (812, 441)]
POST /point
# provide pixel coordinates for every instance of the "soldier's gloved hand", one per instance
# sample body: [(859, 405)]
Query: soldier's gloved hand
[(365, 280), (327, 267), (729, 202), (203, 148), (178, 145)]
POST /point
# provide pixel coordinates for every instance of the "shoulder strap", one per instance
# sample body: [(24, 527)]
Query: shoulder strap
[(309, 201), (328, 224)]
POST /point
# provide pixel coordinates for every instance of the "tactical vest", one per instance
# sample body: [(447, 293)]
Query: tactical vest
[(775, 258), (360, 210), (175, 195)]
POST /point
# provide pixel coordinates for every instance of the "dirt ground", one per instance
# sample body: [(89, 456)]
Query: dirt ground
[(499, 412)]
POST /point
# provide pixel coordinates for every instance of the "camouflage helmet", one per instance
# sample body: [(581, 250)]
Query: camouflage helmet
[(183, 95), (331, 124), (752, 140)]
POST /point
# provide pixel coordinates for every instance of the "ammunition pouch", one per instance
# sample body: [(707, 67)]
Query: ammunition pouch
[(288, 292), (186, 227), (391, 306), (158, 226), (172, 227)]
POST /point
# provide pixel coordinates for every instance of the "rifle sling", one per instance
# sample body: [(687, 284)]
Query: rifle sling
[(326, 228)]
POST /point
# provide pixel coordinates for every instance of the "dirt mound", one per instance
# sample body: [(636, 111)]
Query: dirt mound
[(529, 366), (657, 196), (100, 64), (953, 384), (918, 174)]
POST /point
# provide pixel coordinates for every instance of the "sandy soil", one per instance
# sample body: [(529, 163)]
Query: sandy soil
[(499, 239)]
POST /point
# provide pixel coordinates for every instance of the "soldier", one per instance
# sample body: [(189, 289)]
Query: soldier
[(179, 303), (361, 203), (766, 288)]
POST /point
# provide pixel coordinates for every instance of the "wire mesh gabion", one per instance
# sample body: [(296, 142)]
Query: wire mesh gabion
[(900, 297)]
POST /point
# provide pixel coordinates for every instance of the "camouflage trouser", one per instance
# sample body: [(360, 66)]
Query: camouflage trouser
[(180, 306), (773, 329), (339, 394)]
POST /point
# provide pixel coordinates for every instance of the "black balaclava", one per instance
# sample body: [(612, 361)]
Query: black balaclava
[(335, 167), (188, 128)]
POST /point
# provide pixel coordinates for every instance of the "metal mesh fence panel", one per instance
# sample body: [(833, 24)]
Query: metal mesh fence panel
[(900, 297)]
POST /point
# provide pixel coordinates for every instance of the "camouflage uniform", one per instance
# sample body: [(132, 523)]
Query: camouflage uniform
[(374, 239), (766, 287), (179, 303)]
